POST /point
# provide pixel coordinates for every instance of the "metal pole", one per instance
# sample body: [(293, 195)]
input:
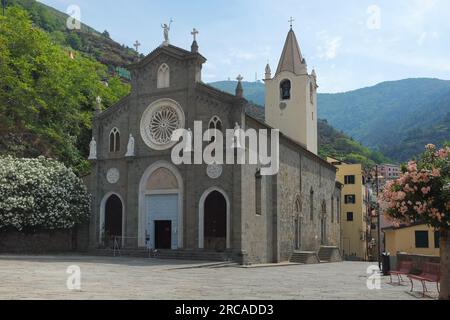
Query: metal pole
[(379, 221), (4, 6)]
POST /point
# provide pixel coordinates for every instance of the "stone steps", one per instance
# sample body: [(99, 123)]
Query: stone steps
[(167, 254), (304, 257), (135, 253), (329, 254), (193, 255)]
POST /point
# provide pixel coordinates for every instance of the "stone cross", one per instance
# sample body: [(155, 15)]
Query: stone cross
[(239, 78), (194, 34), (137, 44), (291, 20)]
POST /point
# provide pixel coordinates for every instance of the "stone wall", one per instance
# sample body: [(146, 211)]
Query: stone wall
[(59, 241), (418, 261), (270, 236)]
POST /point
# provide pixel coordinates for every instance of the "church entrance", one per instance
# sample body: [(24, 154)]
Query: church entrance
[(162, 221), (113, 220), (163, 234), (161, 207), (215, 222)]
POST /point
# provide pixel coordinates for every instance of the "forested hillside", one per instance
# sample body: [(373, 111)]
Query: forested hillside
[(47, 97)]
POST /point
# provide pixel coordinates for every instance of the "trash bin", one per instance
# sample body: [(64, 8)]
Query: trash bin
[(386, 263)]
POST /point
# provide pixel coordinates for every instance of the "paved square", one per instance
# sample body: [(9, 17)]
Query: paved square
[(27, 277)]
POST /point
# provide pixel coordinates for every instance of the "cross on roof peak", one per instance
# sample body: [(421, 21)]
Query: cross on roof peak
[(137, 44), (195, 33), (290, 21)]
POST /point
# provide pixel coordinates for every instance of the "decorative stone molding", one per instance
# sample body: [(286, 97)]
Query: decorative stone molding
[(113, 175)]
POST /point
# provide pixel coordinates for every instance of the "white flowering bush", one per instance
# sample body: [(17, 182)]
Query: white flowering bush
[(40, 194)]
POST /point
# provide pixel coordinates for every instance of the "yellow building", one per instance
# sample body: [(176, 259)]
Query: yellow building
[(354, 212), (417, 239)]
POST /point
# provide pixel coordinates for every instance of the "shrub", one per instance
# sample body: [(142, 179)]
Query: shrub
[(40, 194)]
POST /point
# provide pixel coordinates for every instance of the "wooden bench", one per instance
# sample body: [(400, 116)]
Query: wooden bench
[(403, 270), (431, 272)]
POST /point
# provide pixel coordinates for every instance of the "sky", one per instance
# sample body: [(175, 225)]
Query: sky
[(350, 43)]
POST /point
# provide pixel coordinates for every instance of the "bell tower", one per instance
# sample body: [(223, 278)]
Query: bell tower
[(291, 96)]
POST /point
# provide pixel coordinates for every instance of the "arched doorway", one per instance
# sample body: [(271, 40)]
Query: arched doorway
[(215, 225), (214, 220), (161, 207), (111, 219)]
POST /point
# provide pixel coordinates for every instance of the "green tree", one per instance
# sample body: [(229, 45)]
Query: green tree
[(47, 98), (422, 194)]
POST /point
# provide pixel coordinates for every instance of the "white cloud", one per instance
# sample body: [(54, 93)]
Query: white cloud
[(330, 45), (422, 38)]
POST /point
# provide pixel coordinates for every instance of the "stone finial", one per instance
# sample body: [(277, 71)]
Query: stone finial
[(194, 47), (268, 72), (239, 89)]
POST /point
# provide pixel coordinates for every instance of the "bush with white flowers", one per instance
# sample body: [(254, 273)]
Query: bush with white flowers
[(40, 194)]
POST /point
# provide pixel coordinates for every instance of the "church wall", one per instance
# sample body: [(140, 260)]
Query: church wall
[(320, 178), (287, 192), (257, 230)]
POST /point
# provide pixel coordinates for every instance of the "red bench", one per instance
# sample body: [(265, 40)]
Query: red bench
[(431, 272), (403, 270)]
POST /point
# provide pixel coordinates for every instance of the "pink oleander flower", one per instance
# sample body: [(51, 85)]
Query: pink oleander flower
[(443, 153), (426, 190), (401, 195), (412, 166), (436, 173)]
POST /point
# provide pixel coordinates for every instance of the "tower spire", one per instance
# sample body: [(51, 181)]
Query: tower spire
[(291, 59)]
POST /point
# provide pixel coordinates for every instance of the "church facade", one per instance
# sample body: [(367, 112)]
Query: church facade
[(141, 199)]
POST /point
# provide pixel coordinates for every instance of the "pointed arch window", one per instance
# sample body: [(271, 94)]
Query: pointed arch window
[(163, 76), (298, 206), (332, 209), (258, 192), (215, 124), (114, 140), (324, 207), (311, 204), (285, 90)]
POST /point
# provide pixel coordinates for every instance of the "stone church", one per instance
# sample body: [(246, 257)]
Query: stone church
[(142, 200)]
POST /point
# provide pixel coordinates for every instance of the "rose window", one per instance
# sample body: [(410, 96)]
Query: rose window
[(162, 124), (159, 122)]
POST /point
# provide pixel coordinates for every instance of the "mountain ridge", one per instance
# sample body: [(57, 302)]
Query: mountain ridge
[(395, 117)]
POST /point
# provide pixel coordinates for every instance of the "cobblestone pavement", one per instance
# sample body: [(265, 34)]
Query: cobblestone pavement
[(28, 277)]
